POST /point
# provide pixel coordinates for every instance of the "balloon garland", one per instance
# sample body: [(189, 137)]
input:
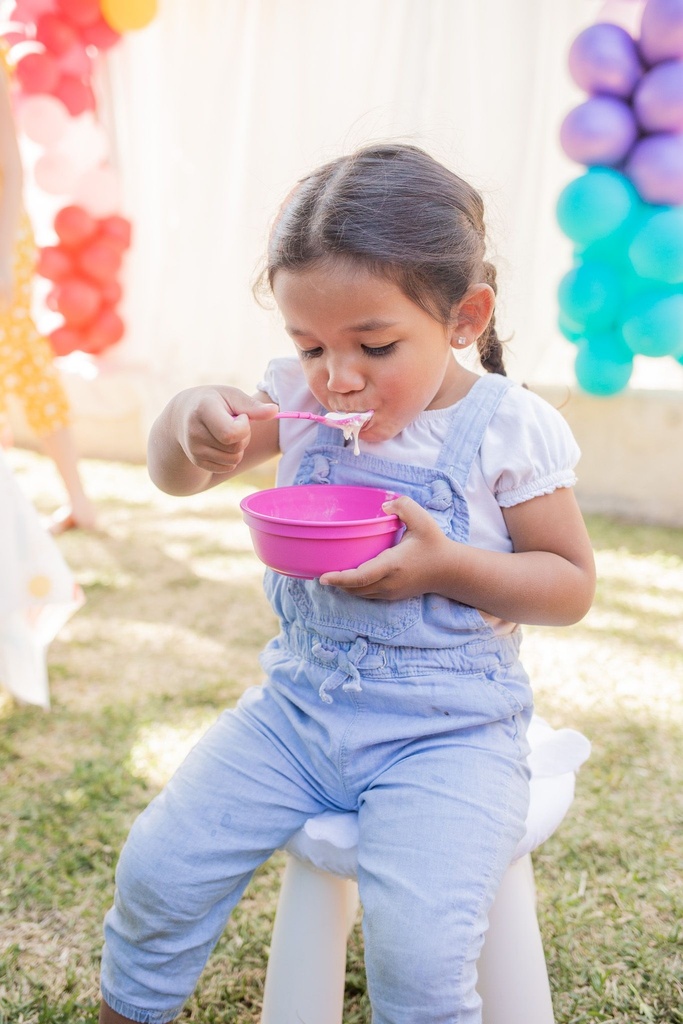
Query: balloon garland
[(53, 45), (624, 294)]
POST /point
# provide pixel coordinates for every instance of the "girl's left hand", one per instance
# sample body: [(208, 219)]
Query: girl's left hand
[(412, 568)]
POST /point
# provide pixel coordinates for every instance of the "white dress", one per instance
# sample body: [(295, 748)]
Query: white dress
[(38, 593)]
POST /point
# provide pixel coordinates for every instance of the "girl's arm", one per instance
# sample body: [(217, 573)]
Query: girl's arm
[(208, 434), (549, 578)]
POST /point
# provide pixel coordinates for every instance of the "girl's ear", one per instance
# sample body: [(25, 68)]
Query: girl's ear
[(471, 315)]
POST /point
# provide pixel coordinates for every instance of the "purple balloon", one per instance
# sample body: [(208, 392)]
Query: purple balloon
[(604, 59), (600, 131), (661, 30), (656, 169), (658, 99)]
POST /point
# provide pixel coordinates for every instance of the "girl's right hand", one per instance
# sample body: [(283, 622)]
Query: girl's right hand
[(213, 425)]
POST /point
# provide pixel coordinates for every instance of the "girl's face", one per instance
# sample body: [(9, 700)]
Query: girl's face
[(364, 345)]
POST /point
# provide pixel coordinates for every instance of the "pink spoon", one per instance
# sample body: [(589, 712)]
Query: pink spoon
[(333, 419)]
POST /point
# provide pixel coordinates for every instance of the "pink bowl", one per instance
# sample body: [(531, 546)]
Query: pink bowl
[(310, 529)]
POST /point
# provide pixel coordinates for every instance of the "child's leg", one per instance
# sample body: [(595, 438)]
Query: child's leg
[(437, 831), (238, 796)]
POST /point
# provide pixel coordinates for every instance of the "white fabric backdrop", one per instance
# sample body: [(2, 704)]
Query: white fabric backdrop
[(220, 105)]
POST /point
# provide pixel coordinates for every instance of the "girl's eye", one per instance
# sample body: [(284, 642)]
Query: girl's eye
[(382, 350), (309, 353)]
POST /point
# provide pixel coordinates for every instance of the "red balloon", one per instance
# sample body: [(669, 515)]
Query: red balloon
[(65, 340), (80, 12), (76, 96), (106, 329), (117, 229), (74, 226), (37, 73), (111, 293), (54, 263), (100, 260), (77, 301), (100, 34), (56, 34)]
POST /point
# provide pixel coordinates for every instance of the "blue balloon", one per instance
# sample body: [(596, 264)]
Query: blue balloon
[(595, 205), (568, 330), (589, 297), (653, 324), (599, 375), (656, 251)]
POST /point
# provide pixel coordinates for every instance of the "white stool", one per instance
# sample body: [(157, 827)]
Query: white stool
[(319, 900)]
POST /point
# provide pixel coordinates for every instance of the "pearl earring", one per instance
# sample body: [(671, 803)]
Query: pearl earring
[(462, 340)]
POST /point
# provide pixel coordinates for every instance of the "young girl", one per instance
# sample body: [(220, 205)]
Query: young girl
[(394, 690)]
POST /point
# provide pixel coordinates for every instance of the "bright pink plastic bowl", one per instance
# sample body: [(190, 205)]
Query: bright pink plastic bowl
[(310, 529)]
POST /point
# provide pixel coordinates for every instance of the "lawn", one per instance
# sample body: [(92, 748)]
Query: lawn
[(169, 635)]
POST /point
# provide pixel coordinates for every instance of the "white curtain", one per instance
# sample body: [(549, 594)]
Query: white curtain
[(220, 105)]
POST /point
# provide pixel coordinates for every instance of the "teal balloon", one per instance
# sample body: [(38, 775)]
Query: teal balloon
[(589, 296), (653, 324), (608, 346), (597, 373), (656, 251), (570, 333), (595, 205)]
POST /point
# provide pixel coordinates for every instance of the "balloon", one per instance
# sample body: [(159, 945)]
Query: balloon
[(74, 226), (77, 301), (76, 95), (657, 248), (658, 99), (55, 173), (106, 329), (35, 8), (604, 59), (653, 325), (595, 205), (37, 72), (54, 263), (599, 131), (65, 340), (655, 167), (98, 191), (117, 229), (100, 34), (127, 15), (111, 292), (589, 296), (568, 330), (661, 30), (56, 34), (100, 260), (76, 62), (598, 374), (80, 12), (86, 142), (43, 119)]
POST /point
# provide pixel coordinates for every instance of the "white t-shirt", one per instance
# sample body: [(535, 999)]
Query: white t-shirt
[(528, 450)]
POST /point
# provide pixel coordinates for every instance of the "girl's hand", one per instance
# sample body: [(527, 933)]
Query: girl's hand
[(206, 434), (213, 425), (409, 569)]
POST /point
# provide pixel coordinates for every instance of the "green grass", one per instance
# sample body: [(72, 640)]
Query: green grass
[(169, 635)]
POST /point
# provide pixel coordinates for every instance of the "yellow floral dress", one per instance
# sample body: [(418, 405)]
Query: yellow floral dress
[(27, 368)]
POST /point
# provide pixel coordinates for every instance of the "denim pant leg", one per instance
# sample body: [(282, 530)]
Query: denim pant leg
[(437, 831), (238, 796)]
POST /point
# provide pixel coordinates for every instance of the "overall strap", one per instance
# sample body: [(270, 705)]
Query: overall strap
[(469, 424), (329, 435)]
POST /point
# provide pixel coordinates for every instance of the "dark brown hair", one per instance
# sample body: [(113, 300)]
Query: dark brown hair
[(400, 214)]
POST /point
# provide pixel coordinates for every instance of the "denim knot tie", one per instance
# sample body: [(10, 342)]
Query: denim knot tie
[(320, 471), (346, 673)]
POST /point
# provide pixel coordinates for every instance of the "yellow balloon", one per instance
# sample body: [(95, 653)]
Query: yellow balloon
[(127, 15)]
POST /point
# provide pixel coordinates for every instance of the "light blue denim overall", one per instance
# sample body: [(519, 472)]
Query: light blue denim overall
[(412, 713)]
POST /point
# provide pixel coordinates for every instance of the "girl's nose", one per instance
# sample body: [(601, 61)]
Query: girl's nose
[(343, 377)]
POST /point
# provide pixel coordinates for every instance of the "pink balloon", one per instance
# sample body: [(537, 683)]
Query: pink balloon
[(85, 142), (43, 119), (604, 59), (600, 131), (98, 191), (76, 62), (656, 169), (661, 30), (658, 99), (36, 7), (55, 174)]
